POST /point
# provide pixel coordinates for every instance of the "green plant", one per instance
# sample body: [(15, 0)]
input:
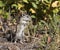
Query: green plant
[(45, 16)]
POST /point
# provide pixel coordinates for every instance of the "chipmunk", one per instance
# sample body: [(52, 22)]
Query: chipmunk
[(24, 23)]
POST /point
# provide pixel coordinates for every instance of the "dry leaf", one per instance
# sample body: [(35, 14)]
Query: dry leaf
[(9, 24), (0, 27), (49, 39)]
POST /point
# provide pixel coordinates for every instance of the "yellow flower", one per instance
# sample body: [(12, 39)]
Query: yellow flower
[(32, 10), (56, 4), (20, 6)]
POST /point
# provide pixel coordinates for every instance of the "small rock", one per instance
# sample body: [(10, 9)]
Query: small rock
[(3, 39), (3, 48)]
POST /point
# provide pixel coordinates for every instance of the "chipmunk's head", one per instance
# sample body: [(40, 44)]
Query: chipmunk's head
[(25, 19)]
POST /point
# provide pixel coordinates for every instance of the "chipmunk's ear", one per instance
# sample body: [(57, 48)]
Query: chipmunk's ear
[(24, 13)]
